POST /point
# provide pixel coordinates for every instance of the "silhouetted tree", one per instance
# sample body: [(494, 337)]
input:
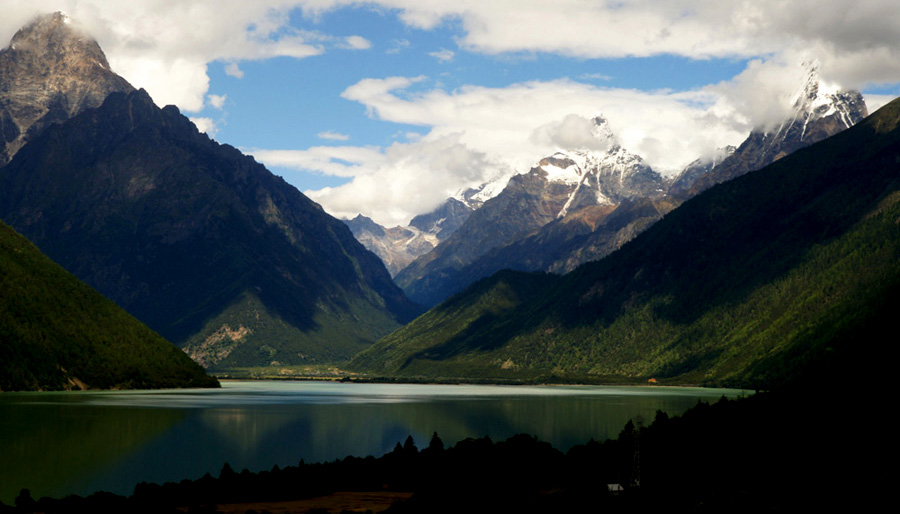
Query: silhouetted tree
[(25, 502), (436, 445), (409, 446)]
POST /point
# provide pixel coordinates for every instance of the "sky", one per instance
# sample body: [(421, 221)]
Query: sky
[(387, 107)]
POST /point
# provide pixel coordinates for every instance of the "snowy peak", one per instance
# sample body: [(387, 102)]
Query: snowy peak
[(819, 111), (600, 178), (814, 100)]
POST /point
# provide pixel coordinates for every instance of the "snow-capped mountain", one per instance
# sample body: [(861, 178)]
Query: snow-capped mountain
[(599, 178), (398, 246), (580, 204), (569, 183), (819, 111)]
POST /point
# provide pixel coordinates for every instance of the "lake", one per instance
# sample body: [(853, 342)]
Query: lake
[(80, 442)]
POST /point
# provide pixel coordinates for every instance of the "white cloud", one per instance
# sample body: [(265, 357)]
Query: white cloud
[(856, 41), (476, 132), (217, 101), (233, 70), (206, 125), (479, 133), (165, 46), (572, 132), (875, 102), (356, 43), (344, 161), (401, 181), (443, 55), (500, 121), (334, 136)]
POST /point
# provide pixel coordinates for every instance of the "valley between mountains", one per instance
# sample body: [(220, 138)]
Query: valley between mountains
[(750, 268)]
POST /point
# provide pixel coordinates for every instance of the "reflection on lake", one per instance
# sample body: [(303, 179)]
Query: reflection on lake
[(64, 443)]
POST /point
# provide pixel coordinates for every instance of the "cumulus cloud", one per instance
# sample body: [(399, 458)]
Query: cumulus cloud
[(404, 179), (856, 43), (476, 134), (572, 132), (165, 46), (500, 121)]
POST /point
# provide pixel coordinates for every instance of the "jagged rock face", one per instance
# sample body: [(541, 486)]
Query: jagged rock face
[(396, 247), (583, 186), (819, 113), (198, 241), (49, 73), (399, 246)]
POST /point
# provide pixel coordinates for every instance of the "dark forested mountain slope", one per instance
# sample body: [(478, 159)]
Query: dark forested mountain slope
[(57, 333), (195, 239), (743, 284)]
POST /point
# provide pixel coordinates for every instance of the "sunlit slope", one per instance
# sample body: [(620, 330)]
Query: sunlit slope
[(58, 333), (745, 284)]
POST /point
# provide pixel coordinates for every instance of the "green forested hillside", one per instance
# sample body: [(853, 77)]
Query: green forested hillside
[(58, 333), (745, 284)]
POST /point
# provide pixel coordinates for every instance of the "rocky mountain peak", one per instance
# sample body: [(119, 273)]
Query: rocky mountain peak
[(52, 37), (815, 100), (601, 129), (50, 72), (820, 110)]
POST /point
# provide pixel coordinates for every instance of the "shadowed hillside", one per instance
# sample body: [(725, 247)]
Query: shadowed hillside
[(57, 333)]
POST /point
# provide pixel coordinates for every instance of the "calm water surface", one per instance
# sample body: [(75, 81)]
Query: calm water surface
[(64, 443)]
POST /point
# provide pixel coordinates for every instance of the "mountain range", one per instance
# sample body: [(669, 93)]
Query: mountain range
[(591, 266), (193, 238), (579, 205), (744, 284)]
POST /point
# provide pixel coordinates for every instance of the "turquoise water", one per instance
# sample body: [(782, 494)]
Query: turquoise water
[(79, 442)]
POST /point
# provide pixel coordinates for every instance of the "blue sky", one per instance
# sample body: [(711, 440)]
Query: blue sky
[(285, 103), (387, 107)]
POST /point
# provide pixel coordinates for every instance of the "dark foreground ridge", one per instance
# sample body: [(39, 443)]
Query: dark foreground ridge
[(746, 455), (58, 333)]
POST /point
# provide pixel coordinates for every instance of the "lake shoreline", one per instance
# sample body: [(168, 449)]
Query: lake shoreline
[(558, 381)]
